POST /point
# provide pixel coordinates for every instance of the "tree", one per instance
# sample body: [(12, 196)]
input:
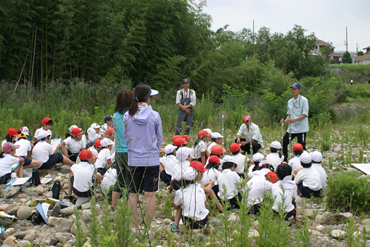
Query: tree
[(360, 53), (346, 58)]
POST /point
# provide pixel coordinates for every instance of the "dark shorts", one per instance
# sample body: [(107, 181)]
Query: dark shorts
[(142, 178), (195, 224), (27, 162), (78, 193), (4, 179), (290, 214), (307, 192), (121, 160), (102, 171), (55, 159), (235, 200), (73, 156), (167, 179)]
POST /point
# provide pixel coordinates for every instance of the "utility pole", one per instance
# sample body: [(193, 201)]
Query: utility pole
[(346, 40)]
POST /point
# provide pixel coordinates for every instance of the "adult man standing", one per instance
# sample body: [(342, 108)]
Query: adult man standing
[(252, 132), (185, 100), (297, 118)]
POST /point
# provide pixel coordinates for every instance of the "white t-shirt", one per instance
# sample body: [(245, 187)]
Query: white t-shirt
[(322, 172), (94, 151), (24, 147), (274, 159), (257, 186), (103, 158), (192, 200), (229, 179), (198, 149), (262, 172), (183, 166), (254, 132), (240, 161), (210, 175), (210, 147), (103, 128), (288, 195), (74, 146), (295, 163), (6, 164), (310, 178), (113, 151), (42, 151), (38, 130), (171, 165), (3, 142), (83, 174)]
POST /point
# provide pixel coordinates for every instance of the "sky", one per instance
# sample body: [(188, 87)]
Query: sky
[(327, 19)]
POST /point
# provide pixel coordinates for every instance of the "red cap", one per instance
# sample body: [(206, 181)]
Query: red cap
[(234, 147), (186, 138), (273, 177), (45, 120), (198, 166), (97, 143), (86, 154), (76, 131), (179, 141), (297, 147), (214, 159), (109, 131), (12, 132), (218, 149), (247, 118), (176, 136), (203, 133)]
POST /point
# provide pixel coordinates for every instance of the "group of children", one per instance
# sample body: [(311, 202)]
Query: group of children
[(85, 153), (203, 172)]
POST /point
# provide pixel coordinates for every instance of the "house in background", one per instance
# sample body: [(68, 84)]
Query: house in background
[(320, 47), (364, 59), (353, 54)]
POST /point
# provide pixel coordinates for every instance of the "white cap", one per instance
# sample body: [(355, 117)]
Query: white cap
[(316, 156), (43, 134), (264, 162), (228, 158), (72, 127), (95, 126), (183, 153), (92, 134), (208, 130), (216, 135), (305, 158), (190, 174), (276, 145), (169, 149), (105, 142), (258, 157)]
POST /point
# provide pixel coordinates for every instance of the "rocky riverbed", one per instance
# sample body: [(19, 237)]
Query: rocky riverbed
[(325, 228)]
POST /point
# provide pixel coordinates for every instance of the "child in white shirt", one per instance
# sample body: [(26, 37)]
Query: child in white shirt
[(275, 157), (239, 158), (228, 181), (295, 163), (216, 139), (316, 163), (284, 192), (257, 187), (212, 173), (7, 159), (104, 161), (200, 152), (110, 135), (190, 200), (170, 166), (46, 125), (73, 145), (308, 178), (24, 151), (108, 123)]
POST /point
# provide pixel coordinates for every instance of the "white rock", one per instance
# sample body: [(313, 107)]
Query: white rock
[(24, 212), (320, 228), (86, 205), (68, 211), (63, 225), (253, 233), (365, 222), (338, 234)]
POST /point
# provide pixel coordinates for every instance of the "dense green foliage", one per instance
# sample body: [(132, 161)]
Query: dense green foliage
[(158, 41), (346, 58), (347, 193)]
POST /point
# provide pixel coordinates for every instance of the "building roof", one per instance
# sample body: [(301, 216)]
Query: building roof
[(335, 54), (366, 48), (320, 42)]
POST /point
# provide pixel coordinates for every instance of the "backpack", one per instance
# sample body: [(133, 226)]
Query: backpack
[(56, 189), (35, 177), (36, 218)]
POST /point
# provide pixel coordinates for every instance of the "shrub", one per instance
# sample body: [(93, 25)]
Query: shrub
[(346, 192)]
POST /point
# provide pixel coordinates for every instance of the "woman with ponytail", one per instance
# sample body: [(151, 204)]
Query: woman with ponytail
[(142, 132)]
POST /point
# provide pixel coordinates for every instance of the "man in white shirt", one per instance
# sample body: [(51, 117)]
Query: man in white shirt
[(297, 118), (252, 133), (185, 100)]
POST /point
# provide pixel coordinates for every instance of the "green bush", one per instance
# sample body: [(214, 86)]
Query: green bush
[(347, 193)]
